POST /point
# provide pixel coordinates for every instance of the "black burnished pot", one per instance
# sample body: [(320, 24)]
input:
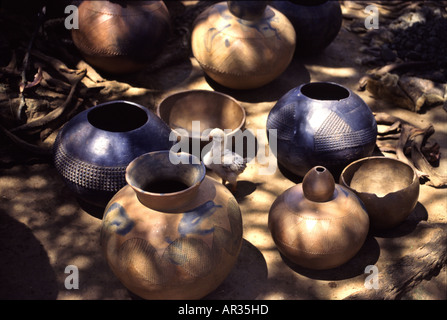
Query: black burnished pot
[(321, 124), (316, 23), (248, 10), (93, 149)]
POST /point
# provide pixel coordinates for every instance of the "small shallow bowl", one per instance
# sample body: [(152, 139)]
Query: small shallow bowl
[(210, 108), (389, 189)]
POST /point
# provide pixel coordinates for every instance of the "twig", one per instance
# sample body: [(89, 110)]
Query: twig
[(25, 65), (53, 115), (410, 147), (408, 133), (58, 65), (435, 179)]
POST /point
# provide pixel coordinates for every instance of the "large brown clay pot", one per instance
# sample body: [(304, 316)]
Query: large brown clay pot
[(172, 232), (121, 36), (318, 224), (240, 49), (388, 187)]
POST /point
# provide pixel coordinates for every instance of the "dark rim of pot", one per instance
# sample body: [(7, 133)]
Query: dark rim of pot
[(117, 116), (324, 91)]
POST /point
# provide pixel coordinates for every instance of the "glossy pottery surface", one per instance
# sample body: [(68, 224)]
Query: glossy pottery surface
[(121, 36), (247, 10), (93, 149), (388, 187), (178, 245), (320, 234), (316, 23), (242, 54), (321, 123)]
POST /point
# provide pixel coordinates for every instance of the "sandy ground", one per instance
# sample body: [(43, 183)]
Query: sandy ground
[(43, 229)]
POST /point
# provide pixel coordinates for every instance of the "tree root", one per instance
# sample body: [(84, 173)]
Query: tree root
[(55, 114), (412, 147)]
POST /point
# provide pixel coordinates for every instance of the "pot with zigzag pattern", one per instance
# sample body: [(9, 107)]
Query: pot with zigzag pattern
[(243, 44), (321, 124), (172, 232), (93, 149)]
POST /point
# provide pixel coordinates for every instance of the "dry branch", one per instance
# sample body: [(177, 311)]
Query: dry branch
[(412, 147), (55, 114), (25, 65)]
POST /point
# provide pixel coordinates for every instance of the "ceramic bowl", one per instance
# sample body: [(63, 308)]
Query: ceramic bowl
[(389, 189), (193, 114)]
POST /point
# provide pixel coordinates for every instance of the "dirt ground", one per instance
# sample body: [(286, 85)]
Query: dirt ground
[(43, 228)]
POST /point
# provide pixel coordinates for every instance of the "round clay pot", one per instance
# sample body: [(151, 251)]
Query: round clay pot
[(121, 36), (321, 123), (239, 53), (316, 23), (93, 149), (172, 232), (388, 187), (318, 224)]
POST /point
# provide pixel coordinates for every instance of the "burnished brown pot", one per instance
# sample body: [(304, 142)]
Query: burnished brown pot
[(318, 224), (192, 114), (121, 36), (240, 53), (388, 187), (172, 232)]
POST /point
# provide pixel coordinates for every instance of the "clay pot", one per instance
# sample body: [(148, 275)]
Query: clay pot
[(388, 187), (121, 36), (316, 23), (192, 114), (93, 149), (321, 123), (239, 53), (172, 232), (318, 224)]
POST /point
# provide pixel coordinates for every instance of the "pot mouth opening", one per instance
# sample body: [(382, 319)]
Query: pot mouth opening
[(324, 91), (119, 116), (378, 176), (190, 113), (154, 174)]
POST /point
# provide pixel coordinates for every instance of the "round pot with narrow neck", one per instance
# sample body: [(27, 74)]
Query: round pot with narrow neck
[(243, 53), (316, 22), (121, 36), (318, 224), (93, 149), (321, 123), (172, 232)]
